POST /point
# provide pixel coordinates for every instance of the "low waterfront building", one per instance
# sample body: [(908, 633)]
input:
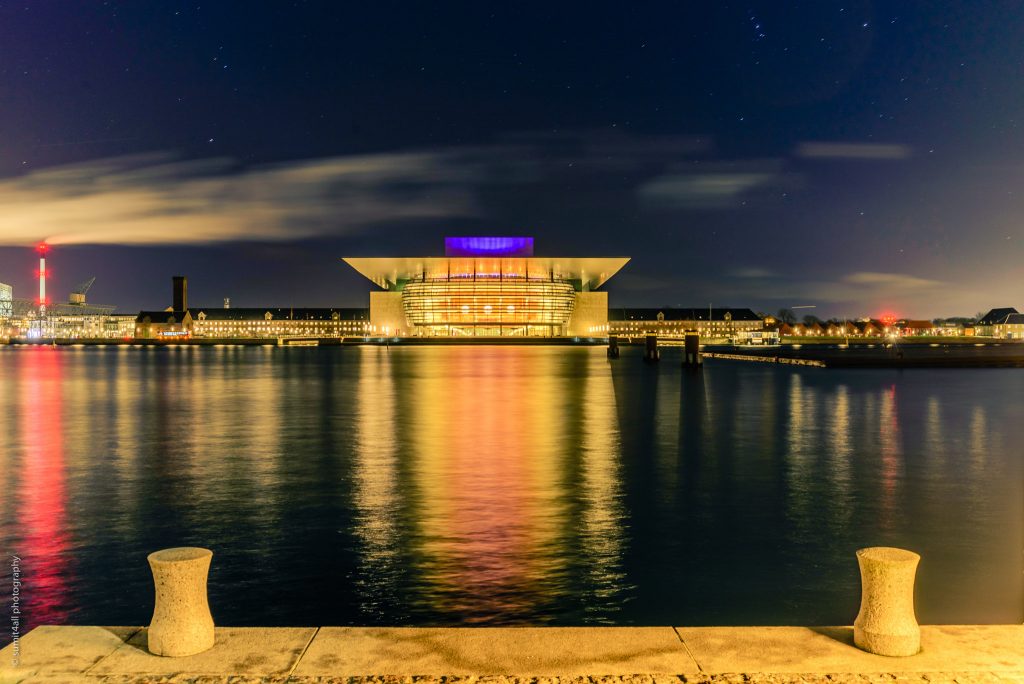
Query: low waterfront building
[(250, 323), (948, 329), (869, 328), (916, 328), (1012, 327), (839, 329), (987, 323), (736, 324), (90, 326), (812, 329), (488, 287), (67, 321)]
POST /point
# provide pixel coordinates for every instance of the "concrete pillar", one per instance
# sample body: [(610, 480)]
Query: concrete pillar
[(613, 347), (651, 353), (691, 351), (886, 623), (182, 624)]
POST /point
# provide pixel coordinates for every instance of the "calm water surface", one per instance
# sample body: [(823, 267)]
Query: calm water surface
[(503, 485)]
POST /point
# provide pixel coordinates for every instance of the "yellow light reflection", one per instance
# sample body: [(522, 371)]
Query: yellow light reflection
[(840, 452), (801, 501), (601, 536), (891, 443), (486, 470), (374, 474)]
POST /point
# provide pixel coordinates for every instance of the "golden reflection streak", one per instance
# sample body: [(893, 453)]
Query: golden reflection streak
[(801, 502), (600, 448), (126, 397), (666, 450), (936, 440), (891, 444), (839, 455), (486, 474), (979, 438), (375, 494), (262, 404), (233, 450)]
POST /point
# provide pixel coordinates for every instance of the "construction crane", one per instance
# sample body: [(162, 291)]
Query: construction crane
[(77, 295), (77, 304)]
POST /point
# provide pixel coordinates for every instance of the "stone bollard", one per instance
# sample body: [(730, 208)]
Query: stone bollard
[(886, 623), (182, 624)]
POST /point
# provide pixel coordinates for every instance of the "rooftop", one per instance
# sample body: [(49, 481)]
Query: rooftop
[(487, 257), (1014, 319), (996, 316)]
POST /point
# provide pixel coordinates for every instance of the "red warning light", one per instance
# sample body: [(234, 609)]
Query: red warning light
[(42, 248)]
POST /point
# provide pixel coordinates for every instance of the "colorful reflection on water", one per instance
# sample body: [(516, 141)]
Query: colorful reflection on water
[(504, 485)]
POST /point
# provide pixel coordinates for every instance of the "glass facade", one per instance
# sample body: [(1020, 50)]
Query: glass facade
[(494, 305)]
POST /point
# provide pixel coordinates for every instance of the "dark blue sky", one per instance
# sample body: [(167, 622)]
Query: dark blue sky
[(862, 157)]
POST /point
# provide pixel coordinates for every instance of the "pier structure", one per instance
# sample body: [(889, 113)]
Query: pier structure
[(613, 347), (651, 352), (692, 357)]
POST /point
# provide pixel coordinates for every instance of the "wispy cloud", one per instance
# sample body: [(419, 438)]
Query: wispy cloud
[(858, 286), (158, 199), (154, 199), (709, 186), (753, 273), (852, 150), (851, 293), (891, 281)]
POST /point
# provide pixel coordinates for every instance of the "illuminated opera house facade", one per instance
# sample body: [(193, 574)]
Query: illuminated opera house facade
[(488, 287)]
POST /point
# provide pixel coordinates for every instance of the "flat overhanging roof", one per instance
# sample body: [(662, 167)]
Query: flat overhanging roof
[(387, 272)]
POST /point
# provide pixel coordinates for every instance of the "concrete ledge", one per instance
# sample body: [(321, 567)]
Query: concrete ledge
[(591, 655), (57, 650), (542, 651), (991, 648), (266, 651)]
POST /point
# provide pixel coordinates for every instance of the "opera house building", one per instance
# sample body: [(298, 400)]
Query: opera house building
[(488, 287)]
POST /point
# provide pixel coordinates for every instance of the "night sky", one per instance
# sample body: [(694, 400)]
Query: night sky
[(865, 158)]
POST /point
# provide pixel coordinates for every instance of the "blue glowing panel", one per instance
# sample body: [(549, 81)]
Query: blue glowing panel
[(488, 246)]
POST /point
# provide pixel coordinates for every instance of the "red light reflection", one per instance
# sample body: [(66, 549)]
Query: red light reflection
[(42, 513)]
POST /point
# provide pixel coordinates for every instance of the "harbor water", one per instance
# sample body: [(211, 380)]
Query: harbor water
[(503, 485)]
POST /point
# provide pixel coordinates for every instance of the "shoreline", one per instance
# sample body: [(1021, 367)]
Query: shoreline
[(653, 655), (320, 342), (918, 353)]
